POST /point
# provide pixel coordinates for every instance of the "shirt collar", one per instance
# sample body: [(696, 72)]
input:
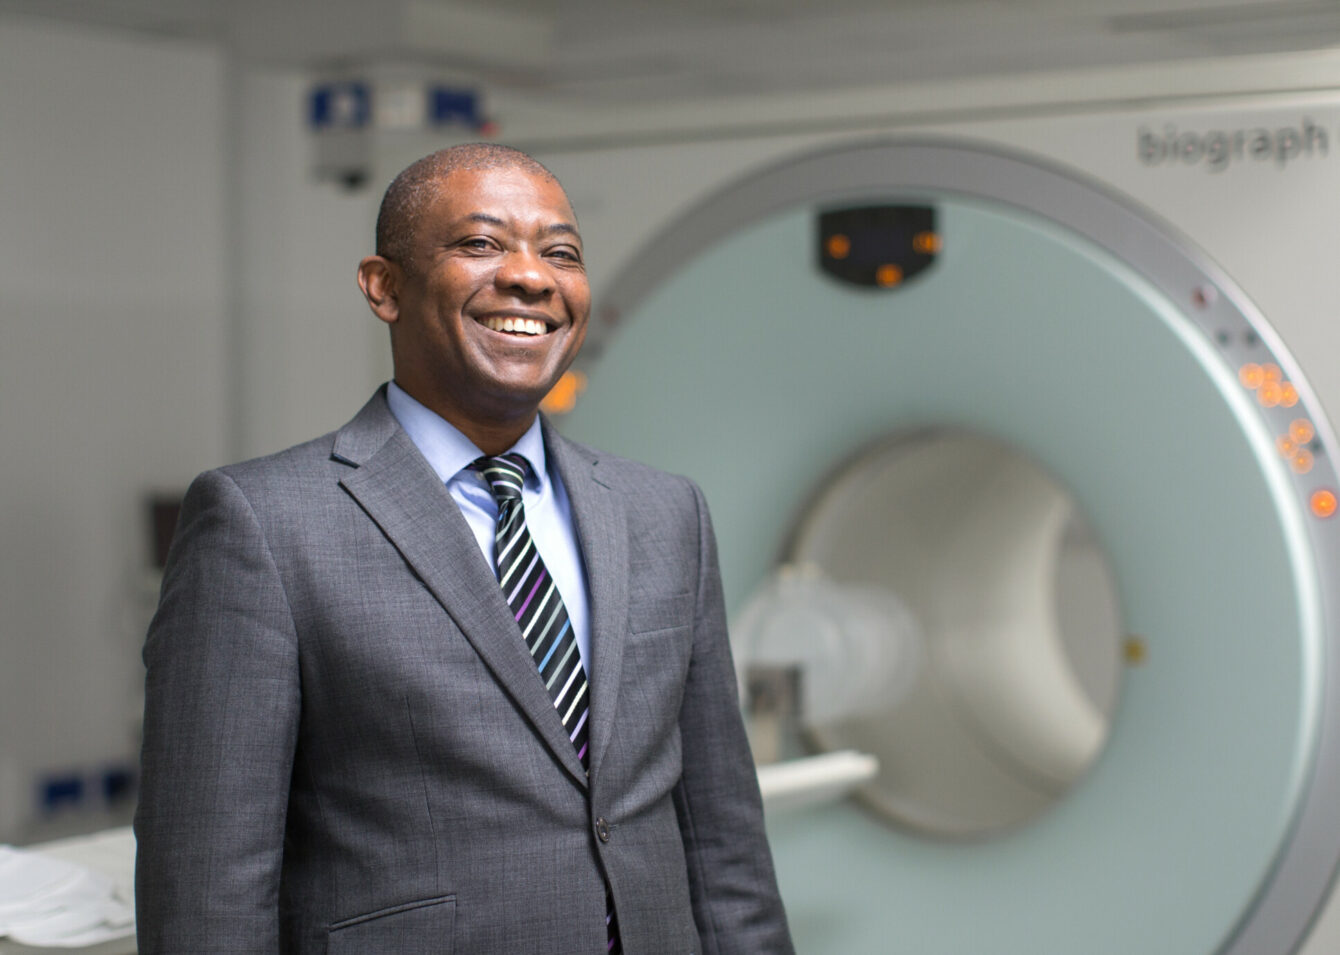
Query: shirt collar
[(449, 451)]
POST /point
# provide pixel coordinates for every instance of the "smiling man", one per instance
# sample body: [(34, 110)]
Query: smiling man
[(443, 681)]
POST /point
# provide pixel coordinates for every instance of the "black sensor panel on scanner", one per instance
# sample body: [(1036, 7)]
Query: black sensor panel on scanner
[(877, 247)]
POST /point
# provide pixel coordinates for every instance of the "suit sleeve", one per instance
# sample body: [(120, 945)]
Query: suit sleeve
[(732, 884), (220, 725)]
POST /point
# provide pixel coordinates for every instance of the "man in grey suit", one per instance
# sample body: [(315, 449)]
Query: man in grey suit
[(352, 740)]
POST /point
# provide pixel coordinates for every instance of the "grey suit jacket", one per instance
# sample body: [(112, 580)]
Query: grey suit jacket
[(347, 747)]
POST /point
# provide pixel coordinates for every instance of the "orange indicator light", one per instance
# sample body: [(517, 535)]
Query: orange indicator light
[(1272, 372), (1269, 394), (1251, 376), (1323, 503), (1301, 431), (1302, 461), (927, 243), (839, 246), (1287, 446), (562, 398), (888, 275), (1288, 394)]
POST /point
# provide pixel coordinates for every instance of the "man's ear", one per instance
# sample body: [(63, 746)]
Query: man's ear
[(378, 278)]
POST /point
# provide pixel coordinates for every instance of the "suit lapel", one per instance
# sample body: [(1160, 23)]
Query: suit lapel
[(397, 488), (601, 525)]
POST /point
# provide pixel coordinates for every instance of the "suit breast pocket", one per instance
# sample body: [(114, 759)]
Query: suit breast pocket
[(425, 927), (658, 647)]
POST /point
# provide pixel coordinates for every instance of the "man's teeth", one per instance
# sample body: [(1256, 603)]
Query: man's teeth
[(521, 326)]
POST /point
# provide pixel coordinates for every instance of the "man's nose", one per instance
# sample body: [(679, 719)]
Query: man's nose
[(526, 271)]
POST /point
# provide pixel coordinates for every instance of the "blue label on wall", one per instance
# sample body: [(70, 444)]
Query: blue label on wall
[(447, 106), (340, 106)]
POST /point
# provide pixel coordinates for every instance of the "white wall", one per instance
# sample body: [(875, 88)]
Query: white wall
[(112, 372), (175, 293), (311, 352)]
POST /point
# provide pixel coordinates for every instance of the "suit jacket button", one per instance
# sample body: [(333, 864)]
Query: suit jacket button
[(603, 829)]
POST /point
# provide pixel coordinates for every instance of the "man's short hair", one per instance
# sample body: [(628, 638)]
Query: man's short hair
[(411, 191)]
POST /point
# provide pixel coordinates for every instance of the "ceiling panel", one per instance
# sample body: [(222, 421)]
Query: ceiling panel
[(627, 51)]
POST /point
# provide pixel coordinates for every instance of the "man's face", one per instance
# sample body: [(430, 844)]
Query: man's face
[(493, 307)]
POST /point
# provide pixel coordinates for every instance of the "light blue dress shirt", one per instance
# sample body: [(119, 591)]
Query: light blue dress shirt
[(548, 513)]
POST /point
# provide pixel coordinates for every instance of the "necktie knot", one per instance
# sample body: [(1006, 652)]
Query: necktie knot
[(505, 474)]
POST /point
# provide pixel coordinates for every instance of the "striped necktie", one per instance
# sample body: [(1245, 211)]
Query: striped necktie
[(533, 596)]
